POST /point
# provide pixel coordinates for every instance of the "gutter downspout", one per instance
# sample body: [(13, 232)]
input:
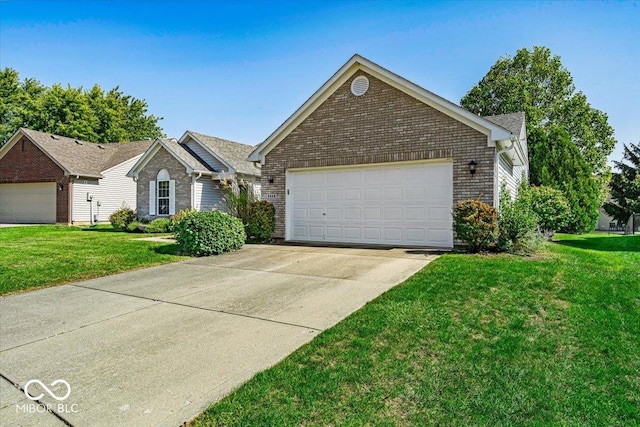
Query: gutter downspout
[(496, 163)]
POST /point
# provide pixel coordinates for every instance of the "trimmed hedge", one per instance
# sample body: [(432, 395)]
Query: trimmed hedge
[(209, 233), (158, 225), (476, 224), (260, 221)]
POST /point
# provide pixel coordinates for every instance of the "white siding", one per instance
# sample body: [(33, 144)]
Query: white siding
[(205, 155), (509, 175), (112, 192), (207, 195)]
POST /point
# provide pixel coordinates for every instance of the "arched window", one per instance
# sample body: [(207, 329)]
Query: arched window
[(162, 194)]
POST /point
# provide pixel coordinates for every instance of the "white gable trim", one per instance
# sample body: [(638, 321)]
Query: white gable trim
[(188, 134), (494, 133), (16, 137), (148, 155)]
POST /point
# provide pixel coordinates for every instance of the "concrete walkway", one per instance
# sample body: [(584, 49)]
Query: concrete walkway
[(157, 346)]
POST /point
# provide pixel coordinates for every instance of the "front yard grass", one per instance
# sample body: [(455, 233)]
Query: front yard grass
[(40, 256), (472, 340)]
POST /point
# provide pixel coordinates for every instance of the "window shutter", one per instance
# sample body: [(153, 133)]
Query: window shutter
[(172, 197), (152, 197)]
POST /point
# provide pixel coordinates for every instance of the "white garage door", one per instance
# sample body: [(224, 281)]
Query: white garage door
[(393, 204), (28, 203)]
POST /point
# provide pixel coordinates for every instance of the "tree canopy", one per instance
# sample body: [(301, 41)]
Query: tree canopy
[(625, 186), (91, 115), (560, 166), (536, 82)]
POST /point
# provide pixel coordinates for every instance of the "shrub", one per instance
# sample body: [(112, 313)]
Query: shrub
[(476, 224), (121, 218), (208, 233), (550, 206), (260, 221), (179, 217), (158, 225), (134, 227), (516, 224)]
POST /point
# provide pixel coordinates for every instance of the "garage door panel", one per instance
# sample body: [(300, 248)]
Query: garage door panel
[(33, 203), (383, 204)]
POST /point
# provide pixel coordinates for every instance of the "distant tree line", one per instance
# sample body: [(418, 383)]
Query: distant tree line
[(91, 115)]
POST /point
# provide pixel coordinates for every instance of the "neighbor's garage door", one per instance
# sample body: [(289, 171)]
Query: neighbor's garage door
[(393, 204), (28, 203)]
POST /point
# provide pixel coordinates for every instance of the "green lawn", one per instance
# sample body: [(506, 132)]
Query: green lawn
[(472, 340), (32, 257)]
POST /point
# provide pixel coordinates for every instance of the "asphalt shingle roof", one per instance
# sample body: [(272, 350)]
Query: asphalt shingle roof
[(512, 122), (233, 153), (84, 158), (185, 155)]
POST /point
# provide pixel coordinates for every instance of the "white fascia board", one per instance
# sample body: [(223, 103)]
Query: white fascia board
[(215, 155), (494, 132), (11, 142), (144, 159), (14, 139)]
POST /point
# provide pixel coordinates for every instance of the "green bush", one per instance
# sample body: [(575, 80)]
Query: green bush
[(208, 233), (179, 217), (134, 227), (260, 221), (516, 224), (158, 225), (121, 218), (550, 206), (476, 224)]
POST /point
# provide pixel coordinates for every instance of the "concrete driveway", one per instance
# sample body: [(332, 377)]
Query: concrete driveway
[(157, 346)]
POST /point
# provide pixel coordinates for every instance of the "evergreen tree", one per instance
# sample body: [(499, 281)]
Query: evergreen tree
[(556, 162), (625, 186)]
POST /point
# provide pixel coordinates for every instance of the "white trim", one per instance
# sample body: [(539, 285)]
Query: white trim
[(356, 63), (152, 151), (152, 198), (172, 197), (375, 165)]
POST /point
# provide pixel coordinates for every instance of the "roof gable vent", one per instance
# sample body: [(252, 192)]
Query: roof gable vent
[(359, 85)]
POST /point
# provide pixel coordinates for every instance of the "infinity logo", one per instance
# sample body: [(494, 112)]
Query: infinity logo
[(52, 394)]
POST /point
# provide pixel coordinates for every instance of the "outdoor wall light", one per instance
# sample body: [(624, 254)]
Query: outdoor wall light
[(270, 179), (60, 187), (472, 167)]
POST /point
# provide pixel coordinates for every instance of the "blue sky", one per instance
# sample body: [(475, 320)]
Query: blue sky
[(237, 69)]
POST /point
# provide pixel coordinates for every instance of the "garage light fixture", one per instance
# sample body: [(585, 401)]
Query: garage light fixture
[(60, 187), (472, 167)]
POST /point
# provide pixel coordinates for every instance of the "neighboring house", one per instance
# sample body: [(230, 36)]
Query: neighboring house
[(372, 158), (174, 175), (607, 223), (48, 179)]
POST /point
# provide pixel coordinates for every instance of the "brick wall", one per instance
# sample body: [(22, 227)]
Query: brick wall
[(163, 160), (32, 165), (383, 125)]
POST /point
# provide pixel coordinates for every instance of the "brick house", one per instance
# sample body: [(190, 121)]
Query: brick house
[(185, 174), (373, 158), (47, 178)]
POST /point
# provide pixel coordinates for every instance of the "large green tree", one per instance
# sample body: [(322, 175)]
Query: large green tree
[(535, 82), (91, 115), (561, 166), (625, 186)]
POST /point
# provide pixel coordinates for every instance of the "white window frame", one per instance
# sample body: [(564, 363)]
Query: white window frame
[(164, 190)]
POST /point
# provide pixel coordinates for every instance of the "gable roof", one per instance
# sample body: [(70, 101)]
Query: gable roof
[(494, 132), (233, 154), (513, 122), (77, 157)]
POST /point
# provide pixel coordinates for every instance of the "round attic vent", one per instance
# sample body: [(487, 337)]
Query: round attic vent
[(359, 85)]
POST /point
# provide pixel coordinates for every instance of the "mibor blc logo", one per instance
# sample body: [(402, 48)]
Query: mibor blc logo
[(36, 389)]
